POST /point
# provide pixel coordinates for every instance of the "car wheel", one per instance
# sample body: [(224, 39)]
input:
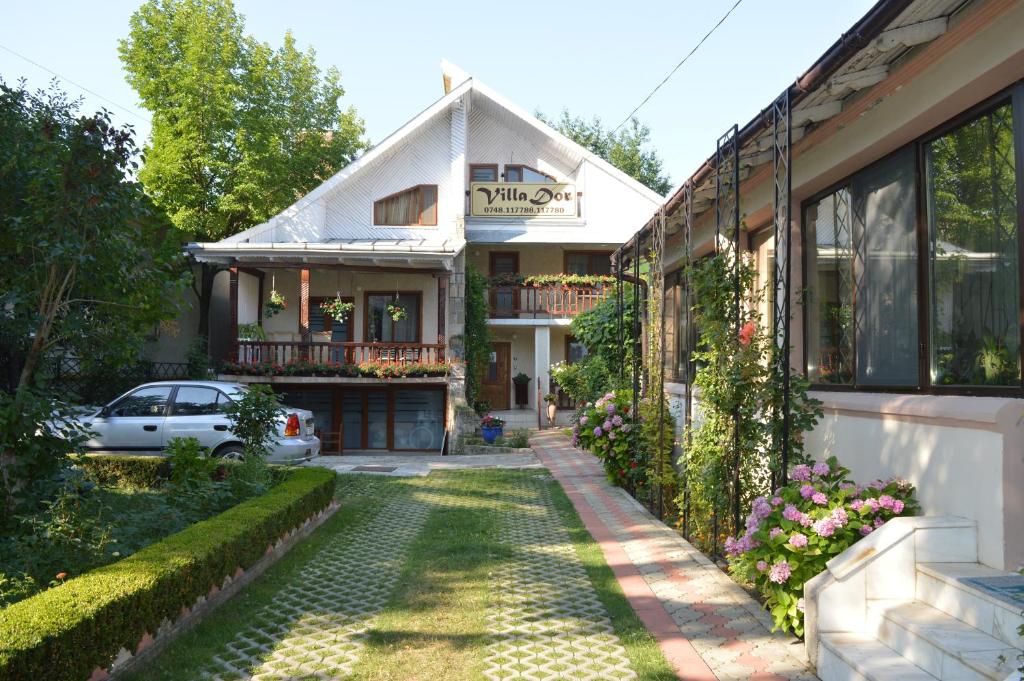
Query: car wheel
[(231, 453)]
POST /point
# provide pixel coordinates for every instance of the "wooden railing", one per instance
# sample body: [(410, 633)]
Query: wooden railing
[(553, 301), (284, 352)]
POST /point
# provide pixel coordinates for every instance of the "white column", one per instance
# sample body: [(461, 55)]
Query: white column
[(541, 362)]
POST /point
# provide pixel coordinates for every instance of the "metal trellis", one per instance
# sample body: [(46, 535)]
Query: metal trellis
[(782, 138)]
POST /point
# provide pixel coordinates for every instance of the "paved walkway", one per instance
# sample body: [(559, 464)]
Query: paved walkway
[(404, 465), (708, 627)]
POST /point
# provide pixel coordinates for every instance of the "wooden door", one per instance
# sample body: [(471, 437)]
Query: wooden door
[(504, 299), (497, 380)]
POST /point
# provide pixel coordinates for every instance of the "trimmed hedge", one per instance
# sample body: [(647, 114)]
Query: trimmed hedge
[(117, 470), (62, 634)]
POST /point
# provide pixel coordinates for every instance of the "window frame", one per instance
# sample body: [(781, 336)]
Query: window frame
[(172, 404), (315, 301), (490, 166), (1012, 95), (418, 189), (521, 167), (590, 254), (391, 294)]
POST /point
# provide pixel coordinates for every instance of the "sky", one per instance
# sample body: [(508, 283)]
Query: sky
[(593, 58)]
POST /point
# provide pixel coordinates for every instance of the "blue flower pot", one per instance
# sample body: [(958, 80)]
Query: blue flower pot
[(491, 433)]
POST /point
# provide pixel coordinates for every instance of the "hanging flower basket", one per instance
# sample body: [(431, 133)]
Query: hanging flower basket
[(397, 312), (337, 309), (276, 303)]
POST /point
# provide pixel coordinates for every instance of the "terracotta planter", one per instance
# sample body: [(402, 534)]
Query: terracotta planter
[(552, 413)]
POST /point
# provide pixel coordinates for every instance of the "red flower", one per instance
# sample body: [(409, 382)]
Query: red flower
[(632, 464), (747, 333), (61, 575)]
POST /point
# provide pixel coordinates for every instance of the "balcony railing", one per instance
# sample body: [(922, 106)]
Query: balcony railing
[(285, 352), (550, 301)]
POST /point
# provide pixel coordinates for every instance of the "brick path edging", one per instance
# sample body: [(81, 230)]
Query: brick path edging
[(679, 652)]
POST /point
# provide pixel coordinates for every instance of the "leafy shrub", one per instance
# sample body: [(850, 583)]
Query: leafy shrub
[(143, 472), (519, 439), (253, 419), (364, 370), (199, 366), (791, 535), (190, 465), (249, 477), (64, 633), (598, 329), (585, 380), (608, 430), (476, 335)]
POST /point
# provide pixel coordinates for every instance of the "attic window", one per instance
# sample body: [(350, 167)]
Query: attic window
[(414, 206), (521, 173)]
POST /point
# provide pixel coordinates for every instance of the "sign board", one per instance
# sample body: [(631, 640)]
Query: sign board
[(522, 199)]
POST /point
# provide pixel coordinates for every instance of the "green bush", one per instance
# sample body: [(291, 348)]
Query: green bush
[(189, 464), (64, 633), (124, 471)]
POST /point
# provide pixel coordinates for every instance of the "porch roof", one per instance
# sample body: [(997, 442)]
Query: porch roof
[(426, 253)]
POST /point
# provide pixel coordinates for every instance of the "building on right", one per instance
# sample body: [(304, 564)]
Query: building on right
[(883, 194)]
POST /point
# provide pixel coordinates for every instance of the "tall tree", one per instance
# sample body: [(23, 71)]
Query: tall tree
[(626, 148), (240, 130)]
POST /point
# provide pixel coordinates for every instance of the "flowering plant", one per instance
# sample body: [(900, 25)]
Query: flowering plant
[(275, 303), (397, 312), (792, 534), (607, 429), (337, 308), (489, 421)]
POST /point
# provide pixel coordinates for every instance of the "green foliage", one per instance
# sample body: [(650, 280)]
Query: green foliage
[(36, 435), (625, 149), (200, 366), (598, 329), (64, 633), (740, 399), (584, 380), (304, 368), (253, 418), (791, 536), (477, 335), (657, 442), (143, 472), (558, 279), (190, 465), (86, 266)]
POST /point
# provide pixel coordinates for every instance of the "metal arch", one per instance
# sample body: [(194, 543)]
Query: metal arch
[(782, 139), (619, 302), (687, 345), (658, 275), (727, 227)]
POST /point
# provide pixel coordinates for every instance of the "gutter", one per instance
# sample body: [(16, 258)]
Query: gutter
[(883, 13)]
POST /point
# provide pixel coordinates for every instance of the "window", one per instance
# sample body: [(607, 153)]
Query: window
[(196, 401), (380, 323), (341, 331), (143, 402), (588, 262), (521, 173), (419, 419), (973, 241), (862, 278), (415, 206), (479, 172)]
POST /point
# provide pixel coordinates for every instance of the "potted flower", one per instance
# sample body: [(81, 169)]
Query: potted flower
[(275, 303), (521, 382), (491, 427), (337, 309), (552, 402), (397, 312)]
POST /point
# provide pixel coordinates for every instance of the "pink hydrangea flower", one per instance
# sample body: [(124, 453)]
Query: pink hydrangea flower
[(792, 513), (866, 530), (801, 473), (607, 425), (616, 420), (879, 522), (819, 498), (824, 527), (821, 468), (798, 540), (857, 504), (583, 420), (777, 501), (885, 501), (610, 408), (776, 531), (897, 507), (761, 508), (839, 516), (800, 605), (780, 572), (597, 431), (611, 436), (807, 491), (806, 520), (761, 566)]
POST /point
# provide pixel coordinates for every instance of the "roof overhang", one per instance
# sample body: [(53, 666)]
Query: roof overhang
[(426, 256)]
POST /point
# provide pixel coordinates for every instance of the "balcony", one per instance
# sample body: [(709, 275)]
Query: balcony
[(337, 359), (553, 300)]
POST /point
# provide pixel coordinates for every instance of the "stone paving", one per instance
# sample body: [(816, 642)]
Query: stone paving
[(406, 465), (546, 618), (317, 623), (708, 627)]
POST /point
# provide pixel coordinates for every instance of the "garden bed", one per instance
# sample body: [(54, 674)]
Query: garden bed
[(87, 622)]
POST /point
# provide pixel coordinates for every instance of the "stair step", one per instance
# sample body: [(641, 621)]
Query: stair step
[(998, 614), (940, 644), (858, 657)]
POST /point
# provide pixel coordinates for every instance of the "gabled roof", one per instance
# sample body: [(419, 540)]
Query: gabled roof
[(467, 86)]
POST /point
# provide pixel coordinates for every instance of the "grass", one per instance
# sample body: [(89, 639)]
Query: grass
[(434, 624)]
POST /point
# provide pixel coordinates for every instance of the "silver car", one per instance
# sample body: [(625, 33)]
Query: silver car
[(146, 418)]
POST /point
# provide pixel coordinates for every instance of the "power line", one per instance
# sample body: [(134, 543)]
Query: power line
[(80, 87), (673, 71)]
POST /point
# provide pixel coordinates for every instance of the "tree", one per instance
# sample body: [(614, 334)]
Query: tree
[(240, 130), (626, 148), (86, 270)]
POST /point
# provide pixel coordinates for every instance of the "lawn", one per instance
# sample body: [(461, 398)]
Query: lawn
[(442, 577)]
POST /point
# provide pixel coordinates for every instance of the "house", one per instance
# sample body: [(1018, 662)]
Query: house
[(888, 182), (351, 301)]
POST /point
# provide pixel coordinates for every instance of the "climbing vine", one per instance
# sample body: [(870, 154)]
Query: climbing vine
[(477, 336)]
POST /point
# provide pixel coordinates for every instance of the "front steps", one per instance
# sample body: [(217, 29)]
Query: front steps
[(892, 618)]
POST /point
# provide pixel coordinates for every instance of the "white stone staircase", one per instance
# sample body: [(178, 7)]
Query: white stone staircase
[(895, 607)]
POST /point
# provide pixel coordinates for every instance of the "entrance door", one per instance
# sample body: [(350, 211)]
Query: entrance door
[(504, 297), (497, 380)]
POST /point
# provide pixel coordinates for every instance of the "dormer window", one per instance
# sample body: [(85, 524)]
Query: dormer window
[(521, 173), (483, 172), (416, 206)]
